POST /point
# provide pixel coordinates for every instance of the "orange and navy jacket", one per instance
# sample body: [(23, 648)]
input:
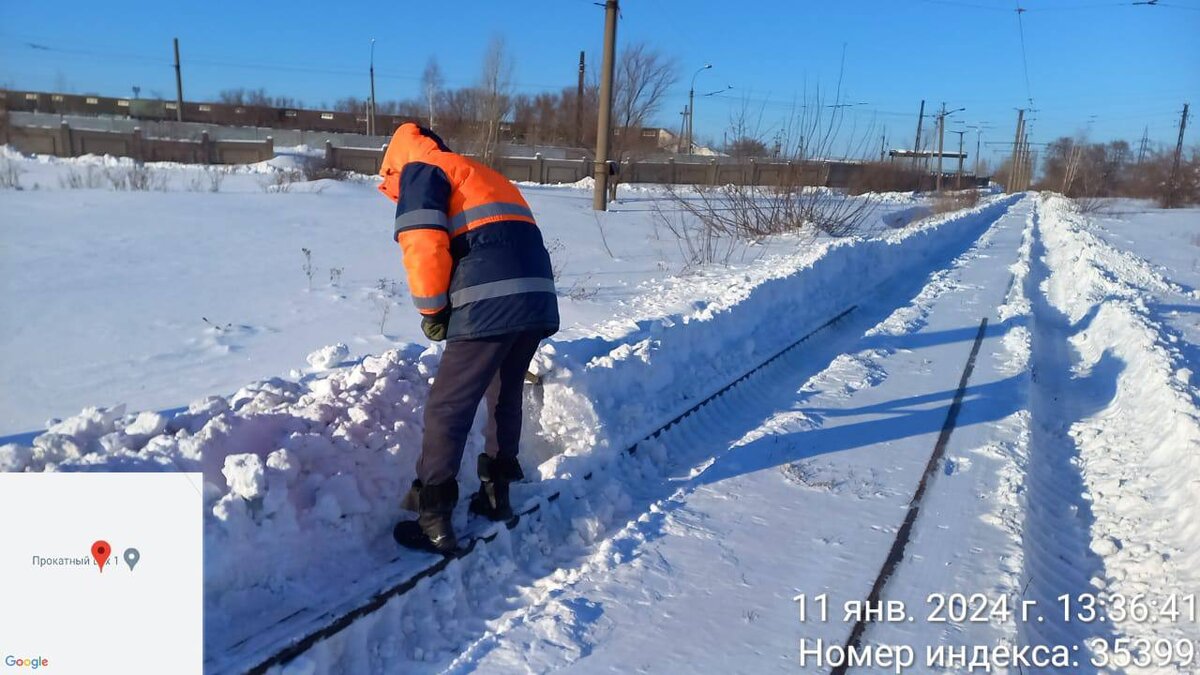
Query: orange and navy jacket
[(469, 240)]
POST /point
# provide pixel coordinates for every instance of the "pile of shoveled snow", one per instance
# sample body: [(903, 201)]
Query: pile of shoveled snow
[(293, 471), (1140, 452)]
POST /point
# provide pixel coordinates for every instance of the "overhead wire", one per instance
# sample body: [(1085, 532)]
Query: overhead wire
[(1024, 56)]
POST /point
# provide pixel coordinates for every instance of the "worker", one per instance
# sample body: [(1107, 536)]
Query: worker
[(480, 276)]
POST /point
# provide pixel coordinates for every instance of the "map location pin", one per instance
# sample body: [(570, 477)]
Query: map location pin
[(100, 552), (132, 556)]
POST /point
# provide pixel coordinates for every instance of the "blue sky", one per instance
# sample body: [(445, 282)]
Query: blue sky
[(1099, 65)]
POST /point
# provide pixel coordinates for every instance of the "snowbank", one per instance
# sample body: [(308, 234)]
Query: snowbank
[(1140, 449), (602, 394)]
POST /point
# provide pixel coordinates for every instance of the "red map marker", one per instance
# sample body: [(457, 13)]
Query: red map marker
[(100, 552)]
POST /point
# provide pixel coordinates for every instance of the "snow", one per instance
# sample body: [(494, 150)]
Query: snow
[(1071, 468), (329, 356), (154, 299)]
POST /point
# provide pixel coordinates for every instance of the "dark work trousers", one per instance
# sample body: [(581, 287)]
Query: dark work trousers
[(494, 366)]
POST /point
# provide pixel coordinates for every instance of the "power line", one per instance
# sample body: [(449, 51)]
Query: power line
[(335, 69), (1060, 8), (1024, 57)]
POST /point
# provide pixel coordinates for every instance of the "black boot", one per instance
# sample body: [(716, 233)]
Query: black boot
[(434, 505), (495, 474)]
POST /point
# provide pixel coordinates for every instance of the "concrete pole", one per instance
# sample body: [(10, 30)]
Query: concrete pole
[(604, 126), (941, 143), (371, 104), (958, 177), (978, 143), (178, 85), (579, 104), (1013, 160), (1174, 184), (691, 106), (917, 142)]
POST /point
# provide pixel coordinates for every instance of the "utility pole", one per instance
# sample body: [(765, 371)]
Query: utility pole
[(371, 103), (1013, 159), (958, 178), (603, 127), (882, 145), (683, 130), (978, 143), (579, 104), (917, 142), (1072, 168), (941, 131), (1142, 146), (178, 85), (1026, 161), (1174, 184)]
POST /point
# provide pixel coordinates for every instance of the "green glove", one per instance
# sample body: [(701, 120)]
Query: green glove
[(434, 325)]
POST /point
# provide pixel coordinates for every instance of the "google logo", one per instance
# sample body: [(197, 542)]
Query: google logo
[(33, 663)]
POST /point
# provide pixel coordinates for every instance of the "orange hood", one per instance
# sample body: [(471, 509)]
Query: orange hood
[(408, 144)]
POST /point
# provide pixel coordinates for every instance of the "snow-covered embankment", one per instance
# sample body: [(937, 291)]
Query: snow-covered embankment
[(1114, 502)]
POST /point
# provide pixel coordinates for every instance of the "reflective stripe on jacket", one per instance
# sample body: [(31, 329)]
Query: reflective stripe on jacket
[(469, 239)]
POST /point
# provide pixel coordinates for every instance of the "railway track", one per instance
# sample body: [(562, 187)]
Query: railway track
[(306, 627)]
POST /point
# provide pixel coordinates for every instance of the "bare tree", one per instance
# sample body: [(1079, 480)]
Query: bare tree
[(431, 84), (351, 104), (640, 84), (495, 97)]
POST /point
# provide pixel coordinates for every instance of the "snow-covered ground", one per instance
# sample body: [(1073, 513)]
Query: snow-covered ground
[(1069, 468), (155, 299)]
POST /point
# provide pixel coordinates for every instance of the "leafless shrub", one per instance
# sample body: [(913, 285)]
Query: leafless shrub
[(335, 276), (74, 179), (603, 236), (208, 179), (280, 181), (308, 268), (955, 201), (10, 175), (581, 291), (1090, 204), (711, 224), (314, 172), (385, 298), (556, 247), (701, 241), (215, 176), (136, 178)]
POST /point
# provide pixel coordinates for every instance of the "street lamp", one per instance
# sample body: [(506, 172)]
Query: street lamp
[(692, 104)]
